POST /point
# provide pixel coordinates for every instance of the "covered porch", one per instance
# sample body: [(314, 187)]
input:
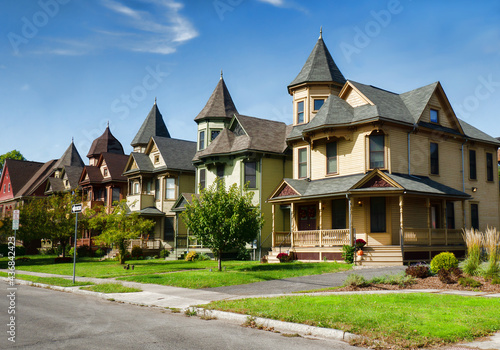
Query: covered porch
[(374, 207)]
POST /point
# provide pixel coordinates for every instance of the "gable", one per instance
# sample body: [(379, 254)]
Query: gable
[(287, 190), (355, 99), (446, 116), (237, 129), (376, 181)]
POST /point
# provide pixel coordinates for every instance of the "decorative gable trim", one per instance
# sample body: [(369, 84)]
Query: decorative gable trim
[(376, 178), (284, 189), (236, 128)]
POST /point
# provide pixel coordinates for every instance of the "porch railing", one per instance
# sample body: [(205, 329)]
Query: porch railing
[(312, 238), (432, 236), (145, 244)]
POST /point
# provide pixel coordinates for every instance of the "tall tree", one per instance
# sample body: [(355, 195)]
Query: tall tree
[(14, 154), (119, 226), (223, 219)]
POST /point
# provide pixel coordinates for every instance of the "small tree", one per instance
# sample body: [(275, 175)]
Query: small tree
[(223, 219), (14, 154), (119, 226)]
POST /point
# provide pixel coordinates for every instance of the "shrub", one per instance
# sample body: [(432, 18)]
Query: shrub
[(72, 251), (47, 251), (492, 245), (83, 251), (59, 260), (495, 280), (354, 280), (418, 271), (443, 260), (282, 257), (449, 276), (191, 256), (348, 253), (469, 282), (136, 252), (203, 257), (165, 253), (100, 252), (360, 243)]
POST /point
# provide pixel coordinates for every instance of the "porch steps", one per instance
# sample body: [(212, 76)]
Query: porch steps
[(380, 256)]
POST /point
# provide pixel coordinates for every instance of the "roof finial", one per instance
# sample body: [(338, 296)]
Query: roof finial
[(108, 124), (72, 140), (321, 32), (155, 99), (221, 74)]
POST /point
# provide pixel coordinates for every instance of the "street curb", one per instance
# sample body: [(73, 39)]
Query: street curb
[(281, 326)]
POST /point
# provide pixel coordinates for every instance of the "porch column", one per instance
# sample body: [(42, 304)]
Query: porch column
[(351, 231), (443, 213), (292, 224), (401, 223), (429, 233), (273, 228), (320, 223)]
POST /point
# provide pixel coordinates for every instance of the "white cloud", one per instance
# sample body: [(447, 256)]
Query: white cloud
[(278, 3), (25, 87), (159, 30), (285, 4)]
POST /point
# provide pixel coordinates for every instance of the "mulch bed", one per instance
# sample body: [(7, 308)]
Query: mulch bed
[(427, 283)]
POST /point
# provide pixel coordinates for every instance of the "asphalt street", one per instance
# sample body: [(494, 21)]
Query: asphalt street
[(47, 319)]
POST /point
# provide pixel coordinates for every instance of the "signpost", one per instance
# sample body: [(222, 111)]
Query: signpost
[(15, 224), (76, 208)]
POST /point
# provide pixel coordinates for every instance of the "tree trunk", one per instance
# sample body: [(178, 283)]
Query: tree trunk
[(219, 258), (63, 250), (123, 252)]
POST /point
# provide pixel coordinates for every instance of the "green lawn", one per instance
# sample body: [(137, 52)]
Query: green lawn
[(405, 320), (111, 288), (187, 274), (53, 281), (235, 274)]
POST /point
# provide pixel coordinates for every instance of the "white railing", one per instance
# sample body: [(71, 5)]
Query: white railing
[(312, 238)]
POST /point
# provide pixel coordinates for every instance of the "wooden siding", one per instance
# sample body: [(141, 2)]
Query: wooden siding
[(355, 99)]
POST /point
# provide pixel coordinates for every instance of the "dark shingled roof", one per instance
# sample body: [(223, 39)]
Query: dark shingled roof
[(73, 174), (219, 105), (143, 162), (177, 154), (319, 67), (474, 133), (106, 143), (71, 157), (154, 125), (20, 172), (260, 135), (39, 178), (116, 164), (344, 184), (55, 185)]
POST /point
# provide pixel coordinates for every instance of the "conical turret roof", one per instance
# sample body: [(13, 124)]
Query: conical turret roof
[(106, 143), (71, 157), (219, 105), (319, 67), (154, 125)]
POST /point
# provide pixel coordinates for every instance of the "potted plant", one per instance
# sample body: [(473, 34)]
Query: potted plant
[(358, 245)]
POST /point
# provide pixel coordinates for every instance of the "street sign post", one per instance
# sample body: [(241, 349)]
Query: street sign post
[(76, 208), (15, 226)]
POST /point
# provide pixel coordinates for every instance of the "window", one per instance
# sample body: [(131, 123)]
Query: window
[(4, 188), (434, 158), (169, 230), (201, 142), (318, 103), (214, 134), (220, 171), (251, 174), (8, 188), (450, 215), (472, 165), (300, 112), (157, 189), (339, 212), (377, 151), (489, 166), (435, 216), (202, 179), (474, 215), (377, 214), (105, 172), (170, 188), (302, 163), (434, 114), (157, 158), (115, 194), (331, 158)]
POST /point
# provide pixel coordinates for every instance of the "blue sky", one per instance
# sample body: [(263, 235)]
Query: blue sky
[(67, 67)]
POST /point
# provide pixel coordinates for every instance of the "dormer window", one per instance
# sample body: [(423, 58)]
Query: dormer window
[(105, 172), (157, 158), (300, 112), (318, 103), (434, 115)]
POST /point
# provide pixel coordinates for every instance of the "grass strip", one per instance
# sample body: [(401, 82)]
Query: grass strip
[(403, 320), (238, 274), (111, 288), (53, 281)]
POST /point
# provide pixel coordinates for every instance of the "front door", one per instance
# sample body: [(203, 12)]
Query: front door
[(307, 217)]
